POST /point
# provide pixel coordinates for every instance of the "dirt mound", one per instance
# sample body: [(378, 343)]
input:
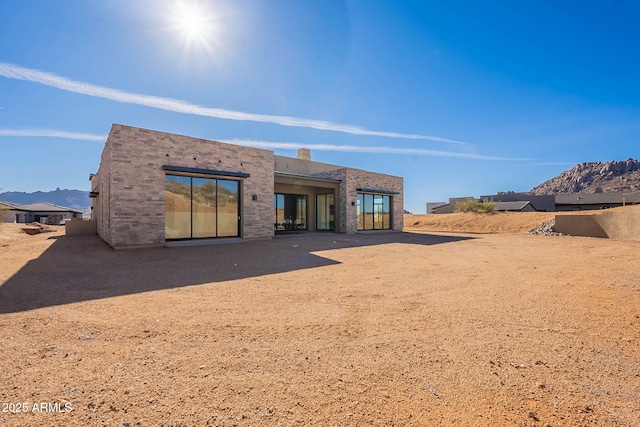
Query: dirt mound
[(9, 231), (498, 222)]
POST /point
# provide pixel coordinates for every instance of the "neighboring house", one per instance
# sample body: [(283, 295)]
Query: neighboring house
[(445, 208), (154, 187), (432, 206), (42, 212), (46, 213), (9, 212), (514, 207), (549, 203), (442, 208), (539, 203), (592, 201)]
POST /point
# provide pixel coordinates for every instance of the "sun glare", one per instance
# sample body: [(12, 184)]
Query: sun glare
[(194, 23)]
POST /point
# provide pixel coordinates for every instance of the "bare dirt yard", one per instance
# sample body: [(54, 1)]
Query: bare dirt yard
[(408, 329)]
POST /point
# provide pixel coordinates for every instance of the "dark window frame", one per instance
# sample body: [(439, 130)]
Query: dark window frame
[(369, 224), (216, 179)]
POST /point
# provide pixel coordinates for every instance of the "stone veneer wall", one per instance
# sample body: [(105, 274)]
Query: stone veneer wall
[(352, 179), (131, 183)]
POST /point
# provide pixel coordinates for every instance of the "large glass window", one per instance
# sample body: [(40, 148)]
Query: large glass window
[(278, 206), (368, 211), (377, 212), (228, 208), (325, 214), (290, 212), (177, 222), (373, 211), (201, 207), (386, 213)]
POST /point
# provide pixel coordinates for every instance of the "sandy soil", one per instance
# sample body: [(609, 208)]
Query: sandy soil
[(482, 223), (406, 329)]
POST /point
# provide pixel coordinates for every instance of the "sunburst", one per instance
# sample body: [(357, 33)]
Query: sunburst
[(195, 23)]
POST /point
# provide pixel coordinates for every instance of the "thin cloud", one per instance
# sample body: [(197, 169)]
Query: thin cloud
[(170, 104), (367, 149), (53, 134), (274, 145)]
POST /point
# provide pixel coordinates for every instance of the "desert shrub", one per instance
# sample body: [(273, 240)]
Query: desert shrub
[(473, 205)]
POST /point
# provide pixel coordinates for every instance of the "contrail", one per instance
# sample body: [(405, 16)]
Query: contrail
[(53, 134), (367, 149), (274, 145), (170, 104)]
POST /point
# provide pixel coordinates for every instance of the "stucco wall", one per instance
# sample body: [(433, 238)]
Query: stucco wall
[(579, 225), (79, 227), (619, 224), (132, 183)]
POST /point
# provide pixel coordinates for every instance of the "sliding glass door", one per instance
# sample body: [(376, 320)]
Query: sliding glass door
[(201, 207), (325, 215), (290, 212), (373, 211), (228, 208), (177, 211)]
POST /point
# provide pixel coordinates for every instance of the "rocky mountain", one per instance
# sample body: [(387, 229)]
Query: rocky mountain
[(74, 199), (594, 177)]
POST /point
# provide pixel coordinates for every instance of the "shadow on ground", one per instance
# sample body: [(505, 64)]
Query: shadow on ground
[(82, 268)]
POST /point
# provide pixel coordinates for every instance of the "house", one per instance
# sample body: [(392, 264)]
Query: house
[(154, 188), (42, 212), (511, 206), (593, 201), (521, 206), (433, 206), (545, 203), (445, 208), (9, 212)]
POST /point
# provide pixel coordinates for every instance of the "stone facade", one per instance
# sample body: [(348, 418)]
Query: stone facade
[(130, 206), (352, 179), (129, 186)]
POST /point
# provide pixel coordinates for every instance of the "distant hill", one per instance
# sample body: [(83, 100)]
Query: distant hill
[(75, 199), (594, 177)]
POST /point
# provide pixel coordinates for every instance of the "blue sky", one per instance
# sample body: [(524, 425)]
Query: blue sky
[(458, 97)]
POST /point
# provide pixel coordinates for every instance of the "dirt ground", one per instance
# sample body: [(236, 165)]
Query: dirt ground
[(492, 223), (405, 329)]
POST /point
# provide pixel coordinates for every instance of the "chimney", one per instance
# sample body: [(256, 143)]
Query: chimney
[(304, 154)]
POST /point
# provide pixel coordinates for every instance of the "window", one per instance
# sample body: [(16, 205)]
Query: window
[(201, 207), (373, 211), (290, 212)]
